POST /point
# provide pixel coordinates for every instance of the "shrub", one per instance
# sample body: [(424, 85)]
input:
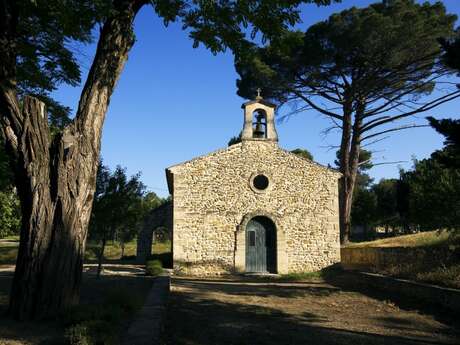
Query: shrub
[(92, 332), (153, 268), (78, 335)]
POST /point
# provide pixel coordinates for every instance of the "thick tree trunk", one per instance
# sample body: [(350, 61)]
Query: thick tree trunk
[(56, 178), (56, 203)]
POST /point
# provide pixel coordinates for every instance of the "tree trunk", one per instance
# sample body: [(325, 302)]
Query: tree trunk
[(101, 257), (122, 244), (349, 163), (56, 178)]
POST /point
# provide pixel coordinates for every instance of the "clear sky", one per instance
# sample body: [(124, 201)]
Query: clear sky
[(173, 103)]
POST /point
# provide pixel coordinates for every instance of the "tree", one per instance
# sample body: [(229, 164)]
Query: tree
[(10, 217), (9, 214), (387, 203), (56, 174), (450, 129), (138, 209), (364, 69), (433, 195), (234, 140), (303, 153), (117, 208), (364, 210)]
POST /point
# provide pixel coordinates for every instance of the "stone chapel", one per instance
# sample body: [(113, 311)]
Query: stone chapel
[(253, 207)]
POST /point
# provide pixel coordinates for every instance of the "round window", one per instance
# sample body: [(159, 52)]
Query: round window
[(260, 182)]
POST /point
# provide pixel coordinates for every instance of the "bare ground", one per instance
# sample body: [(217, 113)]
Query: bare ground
[(93, 291), (233, 311)]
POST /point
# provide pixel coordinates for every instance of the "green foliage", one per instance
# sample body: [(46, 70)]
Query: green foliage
[(48, 35), (387, 207), (303, 153), (224, 24), (450, 129), (10, 214), (6, 172), (153, 267), (433, 195), (356, 47), (451, 48), (119, 205), (50, 32), (234, 140), (364, 208), (78, 335)]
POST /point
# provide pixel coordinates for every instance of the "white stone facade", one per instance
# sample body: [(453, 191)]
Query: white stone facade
[(214, 198)]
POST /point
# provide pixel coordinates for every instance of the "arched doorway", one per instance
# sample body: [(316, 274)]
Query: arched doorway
[(260, 245)]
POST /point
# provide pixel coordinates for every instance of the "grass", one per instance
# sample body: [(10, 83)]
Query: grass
[(9, 249), (422, 239), (442, 247)]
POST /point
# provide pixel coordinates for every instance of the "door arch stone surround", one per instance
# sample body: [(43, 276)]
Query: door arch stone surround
[(240, 242)]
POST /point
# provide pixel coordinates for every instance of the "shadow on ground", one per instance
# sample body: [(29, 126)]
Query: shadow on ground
[(232, 312), (352, 282)]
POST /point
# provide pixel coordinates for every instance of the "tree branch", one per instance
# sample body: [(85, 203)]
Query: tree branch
[(392, 130)]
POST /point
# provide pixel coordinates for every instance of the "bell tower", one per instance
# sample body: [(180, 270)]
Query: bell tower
[(259, 120)]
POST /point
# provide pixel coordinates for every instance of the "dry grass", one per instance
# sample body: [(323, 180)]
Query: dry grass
[(422, 239), (446, 271)]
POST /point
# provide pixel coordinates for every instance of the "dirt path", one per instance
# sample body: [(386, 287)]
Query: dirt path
[(230, 312)]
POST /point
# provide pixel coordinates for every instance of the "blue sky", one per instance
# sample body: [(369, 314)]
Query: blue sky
[(173, 103)]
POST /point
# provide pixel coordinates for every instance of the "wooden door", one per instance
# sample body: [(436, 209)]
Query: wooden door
[(256, 247)]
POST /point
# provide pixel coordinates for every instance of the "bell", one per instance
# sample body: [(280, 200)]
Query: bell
[(259, 130)]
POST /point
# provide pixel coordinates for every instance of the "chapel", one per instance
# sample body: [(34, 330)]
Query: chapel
[(253, 207)]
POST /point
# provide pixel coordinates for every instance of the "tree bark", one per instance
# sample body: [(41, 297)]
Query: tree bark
[(349, 163), (56, 177)]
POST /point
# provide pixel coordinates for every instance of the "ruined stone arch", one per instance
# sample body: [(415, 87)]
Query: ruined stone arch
[(161, 217)]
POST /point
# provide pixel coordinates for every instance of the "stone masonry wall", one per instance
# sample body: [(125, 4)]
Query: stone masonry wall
[(213, 194)]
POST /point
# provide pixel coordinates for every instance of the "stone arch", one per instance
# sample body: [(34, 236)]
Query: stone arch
[(159, 217), (240, 242), (262, 114)]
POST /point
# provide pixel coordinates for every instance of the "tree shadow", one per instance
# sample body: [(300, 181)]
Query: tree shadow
[(351, 281), (259, 289), (192, 319)]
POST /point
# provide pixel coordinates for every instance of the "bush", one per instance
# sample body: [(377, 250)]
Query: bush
[(153, 268), (92, 332), (165, 259), (10, 214), (78, 335)]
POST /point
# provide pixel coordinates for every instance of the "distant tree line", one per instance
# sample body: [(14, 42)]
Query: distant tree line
[(426, 197)]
